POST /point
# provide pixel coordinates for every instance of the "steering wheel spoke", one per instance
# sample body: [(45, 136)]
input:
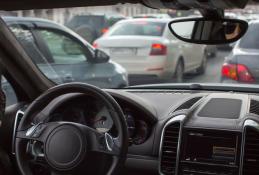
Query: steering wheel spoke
[(38, 132), (100, 142), (104, 143)]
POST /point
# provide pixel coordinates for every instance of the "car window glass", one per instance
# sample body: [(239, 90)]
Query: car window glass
[(9, 92), (28, 41), (26, 38), (96, 21), (63, 49), (139, 28), (251, 38)]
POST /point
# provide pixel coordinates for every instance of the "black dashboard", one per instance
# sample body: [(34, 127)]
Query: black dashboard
[(87, 110), (177, 132)]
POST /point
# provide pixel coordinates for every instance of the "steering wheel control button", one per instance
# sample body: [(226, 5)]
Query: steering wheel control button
[(65, 147), (38, 131), (31, 130)]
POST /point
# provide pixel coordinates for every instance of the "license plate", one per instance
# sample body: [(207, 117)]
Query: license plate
[(123, 51)]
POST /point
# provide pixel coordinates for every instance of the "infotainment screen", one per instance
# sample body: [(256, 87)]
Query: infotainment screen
[(210, 147)]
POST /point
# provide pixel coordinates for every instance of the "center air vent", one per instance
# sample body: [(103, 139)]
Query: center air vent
[(254, 107), (251, 152), (169, 149), (188, 104)]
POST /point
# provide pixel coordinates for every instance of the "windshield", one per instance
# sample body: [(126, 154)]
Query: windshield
[(251, 38), (131, 46)]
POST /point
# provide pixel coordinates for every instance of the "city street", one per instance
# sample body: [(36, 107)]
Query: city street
[(212, 74)]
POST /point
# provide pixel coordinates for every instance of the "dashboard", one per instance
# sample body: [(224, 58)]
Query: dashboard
[(88, 110), (174, 132)]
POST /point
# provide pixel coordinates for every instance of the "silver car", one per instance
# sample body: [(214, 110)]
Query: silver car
[(145, 47), (64, 56)]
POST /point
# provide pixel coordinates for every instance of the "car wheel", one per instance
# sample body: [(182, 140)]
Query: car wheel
[(179, 71), (202, 68), (87, 33)]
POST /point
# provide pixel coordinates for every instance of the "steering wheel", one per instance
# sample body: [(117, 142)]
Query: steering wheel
[(68, 147)]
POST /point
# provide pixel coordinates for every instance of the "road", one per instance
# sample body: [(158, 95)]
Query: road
[(212, 74), (213, 70)]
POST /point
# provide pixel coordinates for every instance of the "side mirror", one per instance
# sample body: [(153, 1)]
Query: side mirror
[(100, 56), (206, 31)]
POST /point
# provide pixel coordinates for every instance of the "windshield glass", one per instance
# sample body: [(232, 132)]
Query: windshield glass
[(251, 38), (125, 45)]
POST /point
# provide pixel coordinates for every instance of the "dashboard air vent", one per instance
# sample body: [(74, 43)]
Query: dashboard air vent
[(169, 149), (254, 107), (251, 152), (188, 104)]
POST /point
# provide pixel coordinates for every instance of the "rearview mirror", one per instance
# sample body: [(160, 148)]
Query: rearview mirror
[(206, 31)]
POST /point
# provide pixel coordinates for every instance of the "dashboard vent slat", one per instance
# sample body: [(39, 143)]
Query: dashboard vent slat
[(188, 104), (254, 107), (251, 152), (169, 149)]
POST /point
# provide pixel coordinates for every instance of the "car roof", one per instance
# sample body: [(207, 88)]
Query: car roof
[(164, 20), (26, 19), (254, 21)]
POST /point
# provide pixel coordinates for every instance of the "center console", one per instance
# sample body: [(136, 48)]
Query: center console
[(209, 152)]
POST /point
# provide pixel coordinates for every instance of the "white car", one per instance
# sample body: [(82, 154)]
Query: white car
[(155, 15), (146, 47)]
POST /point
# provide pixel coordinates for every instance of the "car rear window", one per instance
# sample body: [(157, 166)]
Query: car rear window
[(97, 21), (251, 39), (140, 28)]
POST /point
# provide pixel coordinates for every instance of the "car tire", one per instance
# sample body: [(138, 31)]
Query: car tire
[(179, 72), (87, 33), (202, 68)]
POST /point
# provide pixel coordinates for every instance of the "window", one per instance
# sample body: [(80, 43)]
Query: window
[(140, 28), (25, 37), (251, 39), (9, 92), (63, 49)]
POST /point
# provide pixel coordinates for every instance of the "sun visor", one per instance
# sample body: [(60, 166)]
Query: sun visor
[(195, 4)]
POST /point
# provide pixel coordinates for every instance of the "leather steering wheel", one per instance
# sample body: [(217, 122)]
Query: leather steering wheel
[(68, 147)]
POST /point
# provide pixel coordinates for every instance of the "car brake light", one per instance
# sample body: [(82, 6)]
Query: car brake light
[(95, 45), (238, 72), (158, 49), (104, 30)]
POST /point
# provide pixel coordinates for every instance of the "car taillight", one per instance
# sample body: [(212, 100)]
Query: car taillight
[(104, 30), (158, 49), (237, 72), (95, 45)]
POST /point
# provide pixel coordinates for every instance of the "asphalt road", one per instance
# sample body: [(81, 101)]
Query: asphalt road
[(212, 74)]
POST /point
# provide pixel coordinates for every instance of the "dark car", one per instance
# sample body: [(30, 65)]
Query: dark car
[(91, 27), (242, 65), (63, 56)]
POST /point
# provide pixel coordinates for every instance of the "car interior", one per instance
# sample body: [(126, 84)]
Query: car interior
[(168, 129)]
